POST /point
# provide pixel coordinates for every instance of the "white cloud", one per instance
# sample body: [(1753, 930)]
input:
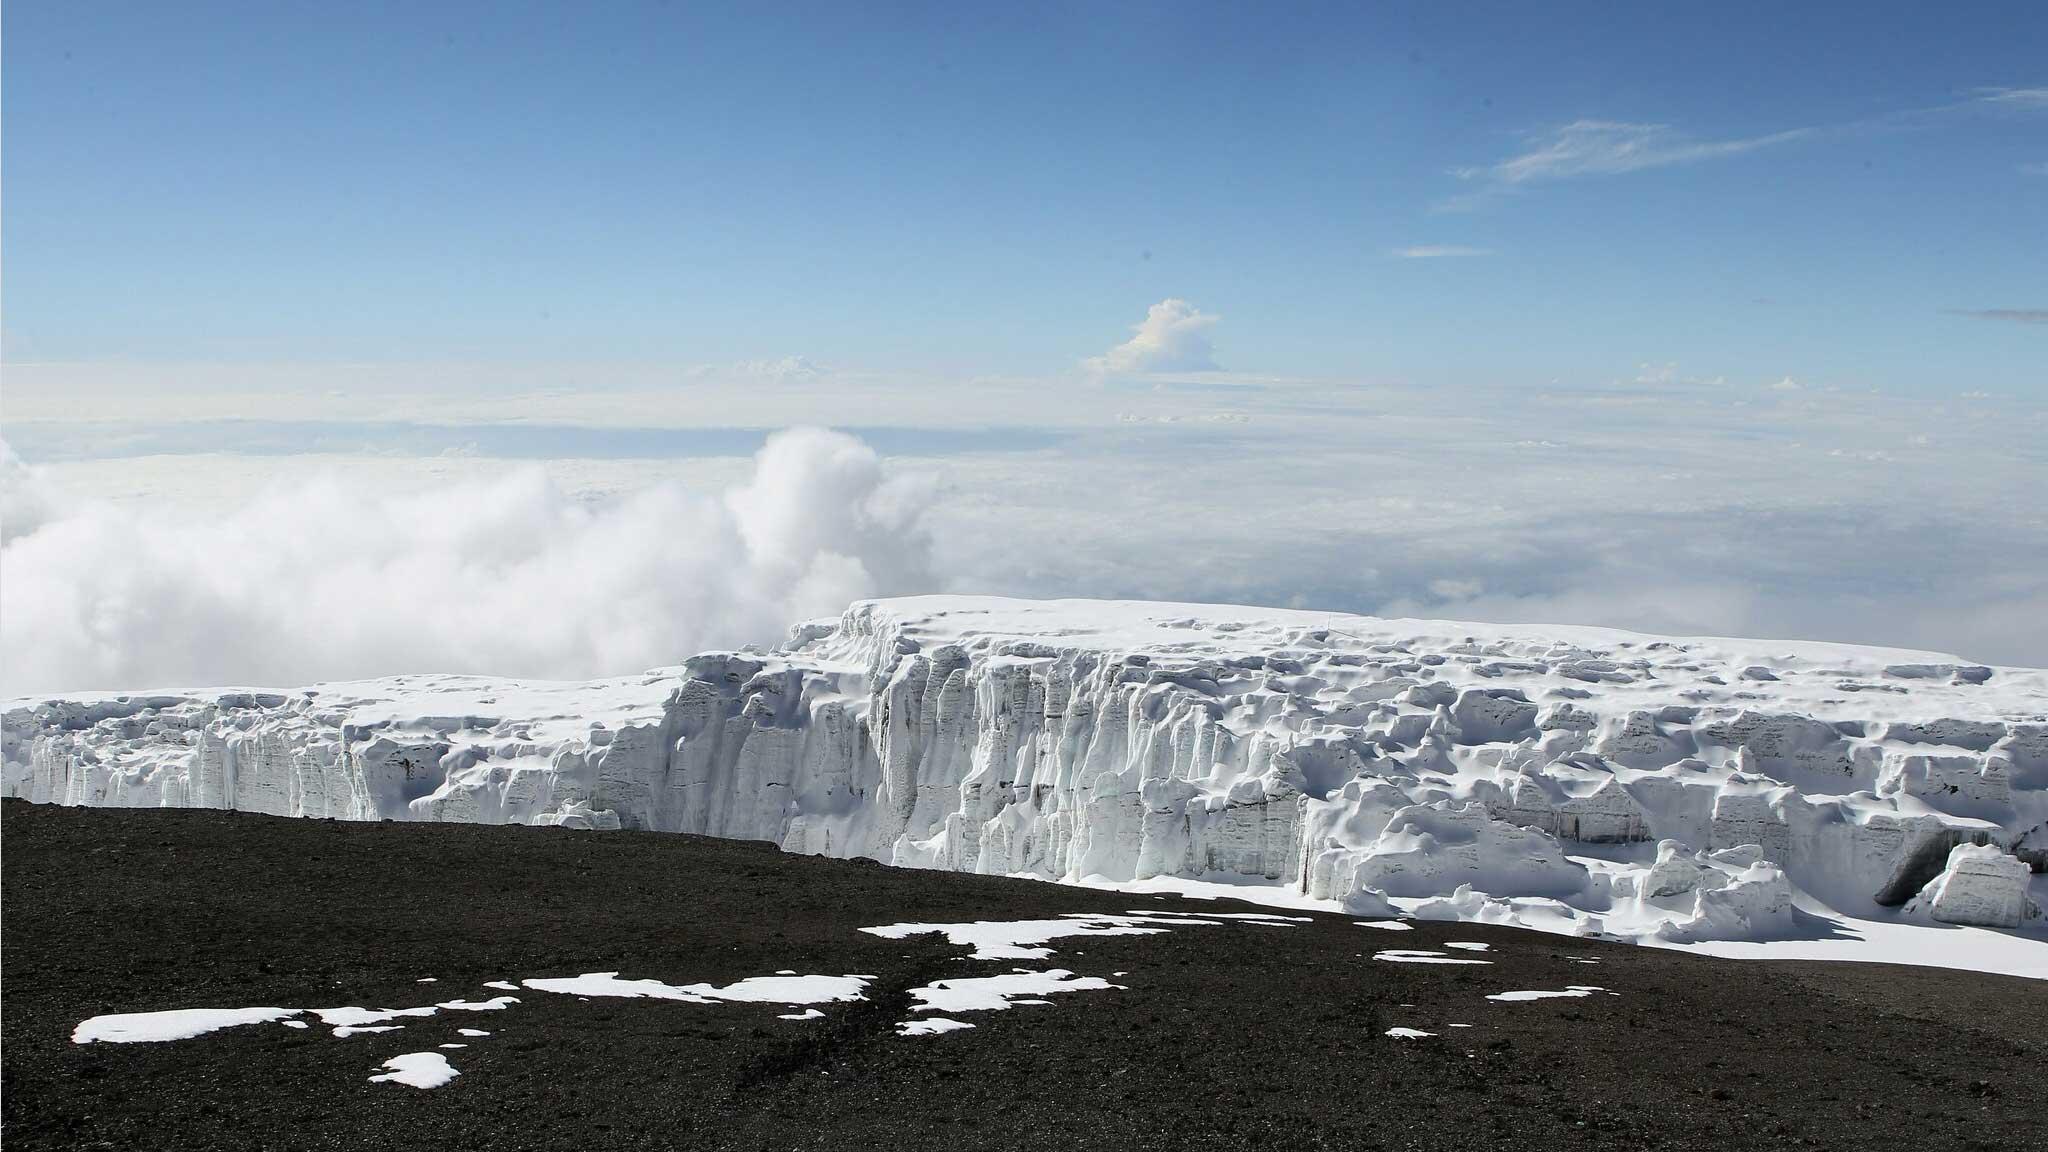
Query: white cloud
[(1437, 252), (26, 501), (1607, 147), (1174, 337), (1686, 505), (2026, 98), (508, 574)]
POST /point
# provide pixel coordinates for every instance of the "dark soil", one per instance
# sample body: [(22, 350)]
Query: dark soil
[(1228, 1037)]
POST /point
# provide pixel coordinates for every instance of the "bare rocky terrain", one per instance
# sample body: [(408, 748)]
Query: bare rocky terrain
[(1225, 1036)]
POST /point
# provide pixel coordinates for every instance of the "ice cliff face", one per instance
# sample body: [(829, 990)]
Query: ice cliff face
[(1687, 789)]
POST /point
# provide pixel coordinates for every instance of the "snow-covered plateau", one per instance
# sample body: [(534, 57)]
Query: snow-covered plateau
[(1741, 796)]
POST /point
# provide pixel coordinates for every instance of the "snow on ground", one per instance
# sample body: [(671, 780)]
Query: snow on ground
[(930, 1026), (418, 1069), (1026, 939), (1424, 956), (1020, 987), (793, 990), (1726, 796), (178, 1024), (998, 993)]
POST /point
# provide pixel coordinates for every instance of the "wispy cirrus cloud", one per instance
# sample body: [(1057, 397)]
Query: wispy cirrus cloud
[(2027, 98), (2010, 315), (1437, 251), (1597, 147), (1611, 147)]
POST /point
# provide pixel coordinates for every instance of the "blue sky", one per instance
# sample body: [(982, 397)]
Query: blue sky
[(339, 336), (1750, 191)]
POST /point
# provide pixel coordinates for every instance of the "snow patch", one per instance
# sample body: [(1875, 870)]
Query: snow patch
[(930, 1026), (418, 1069), (175, 1024), (1423, 956), (998, 993), (1572, 991)]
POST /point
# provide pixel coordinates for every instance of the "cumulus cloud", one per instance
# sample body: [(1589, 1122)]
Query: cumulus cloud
[(507, 575), (26, 501), (1174, 337)]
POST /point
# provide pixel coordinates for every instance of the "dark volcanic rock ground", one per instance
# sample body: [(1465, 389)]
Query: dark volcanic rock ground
[(1228, 1037)]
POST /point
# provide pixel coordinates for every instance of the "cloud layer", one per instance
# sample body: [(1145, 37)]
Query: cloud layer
[(1667, 499), (504, 573)]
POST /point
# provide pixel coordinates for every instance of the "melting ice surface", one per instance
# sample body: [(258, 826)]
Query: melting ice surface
[(419, 1069)]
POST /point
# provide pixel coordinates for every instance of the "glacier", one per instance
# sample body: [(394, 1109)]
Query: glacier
[(1677, 791)]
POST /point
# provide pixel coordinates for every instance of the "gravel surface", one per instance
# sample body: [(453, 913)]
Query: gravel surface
[(1231, 1036)]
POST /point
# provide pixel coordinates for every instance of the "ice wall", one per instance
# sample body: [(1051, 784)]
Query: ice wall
[(1633, 784)]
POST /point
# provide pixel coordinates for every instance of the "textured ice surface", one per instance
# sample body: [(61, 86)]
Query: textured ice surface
[(1978, 885), (419, 1069), (1703, 793)]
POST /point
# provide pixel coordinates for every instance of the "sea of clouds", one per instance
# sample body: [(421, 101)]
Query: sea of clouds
[(210, 533)]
